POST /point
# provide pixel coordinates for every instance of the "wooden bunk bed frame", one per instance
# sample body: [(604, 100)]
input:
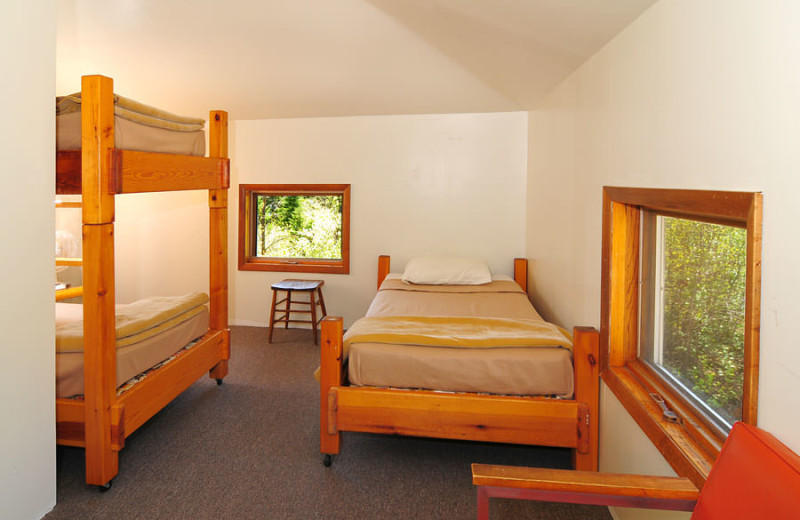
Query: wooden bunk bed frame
[(537, 421), (102, 420)]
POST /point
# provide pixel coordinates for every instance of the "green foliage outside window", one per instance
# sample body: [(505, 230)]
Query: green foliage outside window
[(704, 311), (299, 226)]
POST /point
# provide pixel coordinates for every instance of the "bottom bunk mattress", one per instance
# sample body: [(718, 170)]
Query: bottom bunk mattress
[(149, 331), (482, 338)]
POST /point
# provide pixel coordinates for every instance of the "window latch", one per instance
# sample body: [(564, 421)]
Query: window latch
[(666, 413)]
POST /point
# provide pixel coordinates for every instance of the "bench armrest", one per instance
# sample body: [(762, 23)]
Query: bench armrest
[(586, 487)]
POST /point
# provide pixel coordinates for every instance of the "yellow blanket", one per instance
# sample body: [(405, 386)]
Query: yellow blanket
[(138, 320), (458, 332)]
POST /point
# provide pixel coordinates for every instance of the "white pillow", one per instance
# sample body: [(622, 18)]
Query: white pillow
[(442, 270)]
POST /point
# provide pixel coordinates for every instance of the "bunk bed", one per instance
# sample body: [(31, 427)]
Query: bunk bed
[(568, 421), (105, 416)]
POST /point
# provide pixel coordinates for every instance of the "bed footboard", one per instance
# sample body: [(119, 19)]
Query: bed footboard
[(503, 419)]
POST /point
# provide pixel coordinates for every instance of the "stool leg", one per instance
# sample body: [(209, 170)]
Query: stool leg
[(322, 303), (288, 308), (272, 316), (313, 315)]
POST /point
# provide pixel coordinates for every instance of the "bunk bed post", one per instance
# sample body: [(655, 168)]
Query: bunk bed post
[(218, 242), (586, 351), (100, 368)]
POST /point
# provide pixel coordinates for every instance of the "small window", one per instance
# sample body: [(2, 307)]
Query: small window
[(294, 227), (693, 317)]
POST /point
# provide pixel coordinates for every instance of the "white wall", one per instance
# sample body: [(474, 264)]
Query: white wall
[(694, 94), (161, 244), (27, 141), (429, 184)]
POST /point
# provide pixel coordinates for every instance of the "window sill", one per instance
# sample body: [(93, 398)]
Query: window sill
[(306, 266), (690, 447)]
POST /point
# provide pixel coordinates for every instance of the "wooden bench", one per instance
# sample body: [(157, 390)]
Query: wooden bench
[(755, 476)]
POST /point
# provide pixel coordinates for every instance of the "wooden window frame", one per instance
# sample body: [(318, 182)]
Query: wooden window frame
[(691, 445), (250, 262)]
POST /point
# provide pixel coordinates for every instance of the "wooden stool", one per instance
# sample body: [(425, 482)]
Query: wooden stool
[(314, 290)]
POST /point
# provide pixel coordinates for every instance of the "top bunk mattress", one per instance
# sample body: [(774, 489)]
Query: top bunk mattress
[(136, 127), (504, 362)]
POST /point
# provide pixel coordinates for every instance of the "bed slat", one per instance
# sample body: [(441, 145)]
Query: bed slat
[(157, 390), (143, 172)]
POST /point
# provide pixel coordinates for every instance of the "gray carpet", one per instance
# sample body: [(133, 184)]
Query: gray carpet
[(249, 449)]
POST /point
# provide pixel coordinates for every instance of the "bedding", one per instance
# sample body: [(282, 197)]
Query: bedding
[(441, 270), (148, 332), (439, 337), (136, 127)]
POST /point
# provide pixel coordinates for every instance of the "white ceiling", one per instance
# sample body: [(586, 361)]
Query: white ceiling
[(262, 59)]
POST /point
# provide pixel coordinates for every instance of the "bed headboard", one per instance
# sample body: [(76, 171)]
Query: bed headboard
[(520, 270)]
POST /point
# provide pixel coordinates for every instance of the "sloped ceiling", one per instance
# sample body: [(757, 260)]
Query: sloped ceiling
[(262, 59)]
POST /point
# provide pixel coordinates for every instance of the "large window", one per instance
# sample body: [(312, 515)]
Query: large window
[(294, 227), (693, 310), (680, 315)]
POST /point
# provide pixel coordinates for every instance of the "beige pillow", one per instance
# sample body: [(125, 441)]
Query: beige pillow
[(442, 270)]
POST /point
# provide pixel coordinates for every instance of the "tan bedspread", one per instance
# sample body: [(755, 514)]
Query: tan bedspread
[(138, 320)]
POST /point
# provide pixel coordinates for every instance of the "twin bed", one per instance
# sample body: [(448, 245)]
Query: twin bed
[(457, 357), (108, 146)]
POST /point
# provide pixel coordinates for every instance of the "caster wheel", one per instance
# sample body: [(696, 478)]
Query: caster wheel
[(105, 487), (219, 382), (328, 460)]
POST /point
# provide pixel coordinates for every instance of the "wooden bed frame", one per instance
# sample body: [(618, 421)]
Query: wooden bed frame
[(478, 417), (102, 420)]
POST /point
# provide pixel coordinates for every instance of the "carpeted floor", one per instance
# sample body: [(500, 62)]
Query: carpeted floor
[(249, 449)]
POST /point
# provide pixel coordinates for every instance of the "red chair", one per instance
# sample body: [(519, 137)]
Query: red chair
[(754, 477)]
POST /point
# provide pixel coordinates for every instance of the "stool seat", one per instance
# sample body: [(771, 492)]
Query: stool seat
[(283, 314), (297, 285)]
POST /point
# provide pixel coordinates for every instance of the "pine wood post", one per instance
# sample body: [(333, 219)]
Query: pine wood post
[(384, 266), (521, 272), (99, 320), (330, 376), (218, 241), (586, 350)]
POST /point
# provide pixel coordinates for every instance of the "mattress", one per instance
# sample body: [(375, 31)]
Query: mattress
[(132, 359), (541, 370), (136, 127)]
